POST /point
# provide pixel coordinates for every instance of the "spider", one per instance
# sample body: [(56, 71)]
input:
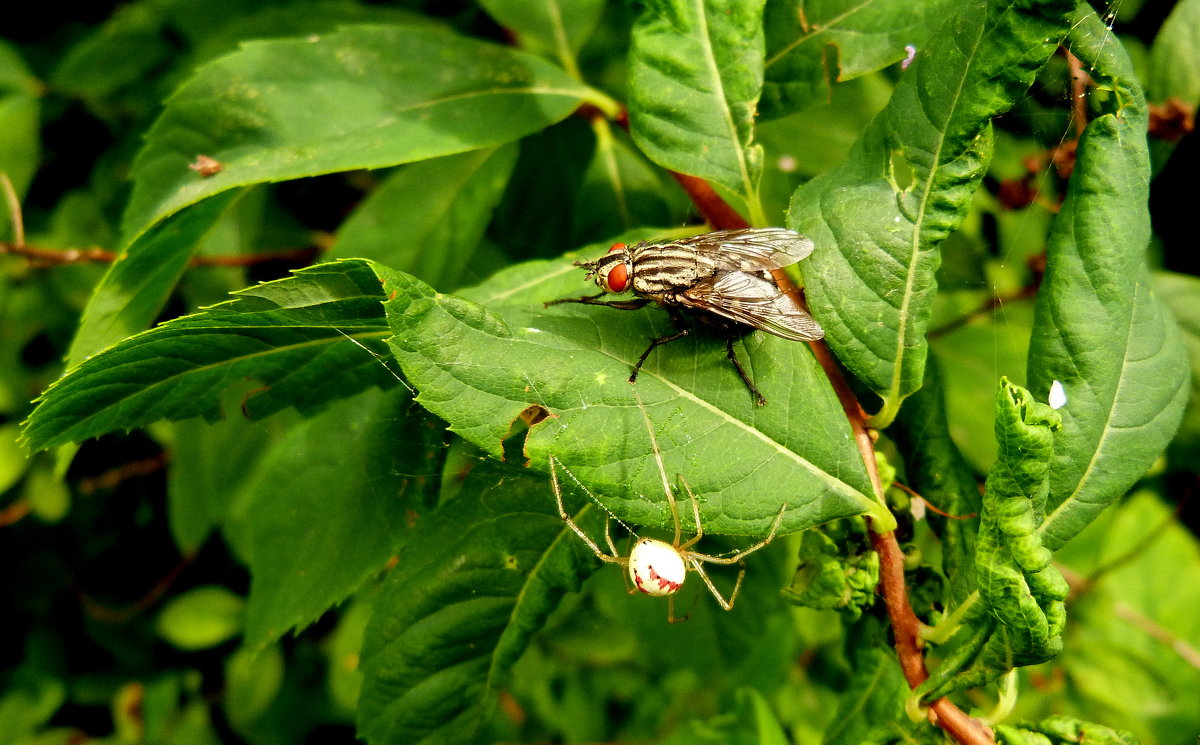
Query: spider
[(656, 567)]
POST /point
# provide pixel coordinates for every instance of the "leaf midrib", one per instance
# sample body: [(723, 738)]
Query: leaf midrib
[(714, 70), (915, 243), (824, 28)]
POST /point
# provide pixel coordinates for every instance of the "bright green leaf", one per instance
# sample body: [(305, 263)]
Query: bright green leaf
[(360, 97), (1125, 396), (20, 115), (139, 283), (1181, 293), (874, 696), (328, 505), (1062, 730), (937, 471), (879, 218), (473, 585), (812, 46), (13, 462), (481, 367), (252, 681), (343, 651), (301, 337), (620, 190), (1130, 643), (429, 218), (201, 618), (209, 462), (837, 569), (1175, 56), (29, 698), (121, 52), (47, 493), (556, 26), (1016, 580), (695, 72)]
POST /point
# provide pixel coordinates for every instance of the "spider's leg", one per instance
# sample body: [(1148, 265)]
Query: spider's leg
[(695, 513), (662, 469), (622, 560), (726, 604), (736, 557), (612, 558), (608, 537)]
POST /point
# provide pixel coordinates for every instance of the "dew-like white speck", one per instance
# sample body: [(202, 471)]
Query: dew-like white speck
[(1058, 396)]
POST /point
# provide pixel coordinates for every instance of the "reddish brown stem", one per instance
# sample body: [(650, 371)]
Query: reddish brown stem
[(905, 625), (1079, 84), (715, 211), (108, 614), (55, 256)]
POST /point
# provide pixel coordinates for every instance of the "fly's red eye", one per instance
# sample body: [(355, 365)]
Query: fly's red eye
[(617, 247), (618, 278)]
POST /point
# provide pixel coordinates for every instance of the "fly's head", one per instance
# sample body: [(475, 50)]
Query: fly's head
[(611, 271)]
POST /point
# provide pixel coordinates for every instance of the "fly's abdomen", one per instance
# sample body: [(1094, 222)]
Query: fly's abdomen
[(666, 269)]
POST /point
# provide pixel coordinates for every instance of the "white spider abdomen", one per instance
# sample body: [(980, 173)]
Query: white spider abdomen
[(656, 568)]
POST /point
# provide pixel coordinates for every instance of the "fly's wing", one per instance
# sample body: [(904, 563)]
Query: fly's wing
[(754, 301), (752, 249)]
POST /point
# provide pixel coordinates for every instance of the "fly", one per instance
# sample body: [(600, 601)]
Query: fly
[(724, 277)]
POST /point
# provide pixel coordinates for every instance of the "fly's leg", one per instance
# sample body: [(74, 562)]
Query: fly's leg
[(741, 371), (654, 343), (634, 304)]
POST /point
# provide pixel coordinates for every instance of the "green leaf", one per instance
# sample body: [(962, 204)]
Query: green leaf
[(252, 681), (123, 51), (360, 97), (1130, 647), (201, 618), (873, 698), (327, 507), (878, 219), (1125, 396), (429, 218), (1181, 293), (749, 721), (1175, 56), (980, 351), (481, 368), (1021, 588), (302, 338), (13, 463), (837, 569), (695, 73), (30, 697), (20, 115), (810, 47), (209, 463), (138, 283), (474, 583), (1062, 730), (620, 190), (936, 469), (555, 26)]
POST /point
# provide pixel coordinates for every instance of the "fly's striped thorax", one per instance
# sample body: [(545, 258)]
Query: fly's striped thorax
[(668, 267)]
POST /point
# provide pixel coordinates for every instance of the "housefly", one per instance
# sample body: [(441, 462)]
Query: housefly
[(724, 278)]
